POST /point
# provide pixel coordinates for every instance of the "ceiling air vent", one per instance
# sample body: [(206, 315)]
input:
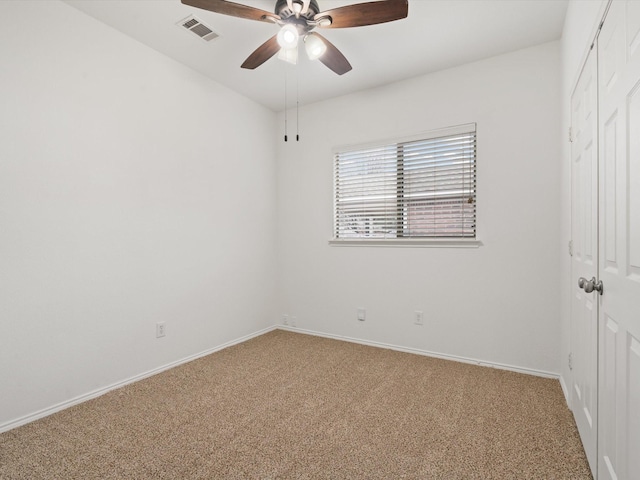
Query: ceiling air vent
[(194, 25)]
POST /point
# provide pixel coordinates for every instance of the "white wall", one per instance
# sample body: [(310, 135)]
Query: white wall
[(121, 206), (579, 31), (499, 303), (115, 167)]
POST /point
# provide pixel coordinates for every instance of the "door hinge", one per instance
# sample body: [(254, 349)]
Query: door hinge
[(570, 362), (571, 248), (570, 135)]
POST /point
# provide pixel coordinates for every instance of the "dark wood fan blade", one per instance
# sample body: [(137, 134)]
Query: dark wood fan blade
[(263, 53), (233, 9), (333, 58), (361, 14)]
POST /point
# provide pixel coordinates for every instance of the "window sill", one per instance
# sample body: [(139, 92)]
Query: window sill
[(393, 242)]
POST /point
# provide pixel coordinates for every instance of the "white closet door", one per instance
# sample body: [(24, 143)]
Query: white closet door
[(619, 257), (584, 307)]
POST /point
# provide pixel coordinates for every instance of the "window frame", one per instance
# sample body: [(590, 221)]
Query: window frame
[(401, 241)]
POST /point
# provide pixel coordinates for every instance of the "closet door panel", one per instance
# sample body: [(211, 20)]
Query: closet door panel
[(619, 233), (584, 306)]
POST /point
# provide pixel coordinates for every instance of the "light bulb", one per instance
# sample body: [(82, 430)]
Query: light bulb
[(288, 36), (314, 46)]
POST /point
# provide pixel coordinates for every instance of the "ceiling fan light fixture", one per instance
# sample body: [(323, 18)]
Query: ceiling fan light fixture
[(314, 46), (288, 37)]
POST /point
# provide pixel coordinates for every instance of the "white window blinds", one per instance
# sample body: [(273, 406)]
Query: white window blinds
[(417, 188)]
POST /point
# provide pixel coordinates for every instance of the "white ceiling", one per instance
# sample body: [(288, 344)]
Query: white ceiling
[(437, 34)]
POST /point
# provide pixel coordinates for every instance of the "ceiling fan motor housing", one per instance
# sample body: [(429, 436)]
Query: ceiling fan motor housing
[(285, 13)]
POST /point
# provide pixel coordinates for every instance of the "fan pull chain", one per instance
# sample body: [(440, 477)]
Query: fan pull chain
[(297, 104), (285, 103)]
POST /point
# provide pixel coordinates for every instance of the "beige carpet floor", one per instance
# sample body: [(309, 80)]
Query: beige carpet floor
[(287, 405)]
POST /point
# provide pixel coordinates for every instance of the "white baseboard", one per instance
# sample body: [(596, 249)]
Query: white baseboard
[(426, 353), (101, 391)]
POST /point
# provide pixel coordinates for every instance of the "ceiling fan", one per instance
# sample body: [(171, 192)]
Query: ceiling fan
[(297, 18)]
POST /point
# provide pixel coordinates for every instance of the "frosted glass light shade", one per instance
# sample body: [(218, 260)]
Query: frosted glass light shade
[(289, 55), (314, 46), (288, 37)]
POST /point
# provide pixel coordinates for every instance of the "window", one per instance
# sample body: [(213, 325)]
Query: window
[(420, 188)]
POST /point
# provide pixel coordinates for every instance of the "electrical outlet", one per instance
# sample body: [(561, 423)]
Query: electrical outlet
[(293, 321), (285, 319), (161, 329), (362, 314), (419, 318)]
